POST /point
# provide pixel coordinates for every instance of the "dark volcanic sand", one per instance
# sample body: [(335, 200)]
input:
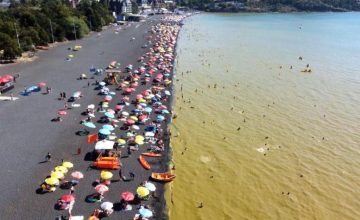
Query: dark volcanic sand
[(27, 132)]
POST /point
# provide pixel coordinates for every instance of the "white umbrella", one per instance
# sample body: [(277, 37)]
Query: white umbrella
[(125, 113), (104, 145), (135, 127), (107, 205), (149, 134), (91, 106)]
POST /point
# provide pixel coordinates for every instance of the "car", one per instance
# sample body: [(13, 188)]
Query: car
[(6, 83)]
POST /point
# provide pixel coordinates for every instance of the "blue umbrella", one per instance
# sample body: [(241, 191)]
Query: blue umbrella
[(109, 115), (150, 186), (108, 127), (165, 111), (148, 110), (32, 88), (146, 213), (89, 125), (104, 131), (160, 118)]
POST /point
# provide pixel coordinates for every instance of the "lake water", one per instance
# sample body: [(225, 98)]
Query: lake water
[(257, 139)]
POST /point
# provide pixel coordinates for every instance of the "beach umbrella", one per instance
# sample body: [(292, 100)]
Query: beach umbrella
[(150, 186), (121, 141), (111, 111), (167, 92), (104, 145), (89, 125), (107, 205), (77, 175), (106, 175), (52, 181), (105, 104), (104, 131), (61, 169), (139, 142), (142, 117), (109, 115), (145, 213), (108, 98), (41, 84), (57, 175), (68, 198), (134, 118), (139, 137), (139, 96), (129, 134), (142, 192), (160, 118), (162, 107), (91, 115), (119, 107), (67, 164), (77, 94), (108, 127), (102, 83), (148, 110), (135, 127), (127, 196), (142, 101), (149, 134), (125, 113), (101, 188), (130, 122), (165, 111), (62, 113), (91, 106)]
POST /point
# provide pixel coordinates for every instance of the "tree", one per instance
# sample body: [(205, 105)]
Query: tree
[(134, 7), (10, 47)]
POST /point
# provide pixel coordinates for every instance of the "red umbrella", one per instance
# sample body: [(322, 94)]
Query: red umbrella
[(130, 122), (101, 188), (68, 198), (41, 84), (142, 117), (119, 107), (128, 90), (139, 96), (61, 113), (127, 196)]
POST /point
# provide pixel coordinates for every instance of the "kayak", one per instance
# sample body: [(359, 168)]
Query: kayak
[(151, 154), (163, 177), (144, 163)]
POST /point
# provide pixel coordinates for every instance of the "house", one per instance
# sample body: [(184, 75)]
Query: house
[(120, 6)]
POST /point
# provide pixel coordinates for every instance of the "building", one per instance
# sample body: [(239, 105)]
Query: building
[(120, 6)]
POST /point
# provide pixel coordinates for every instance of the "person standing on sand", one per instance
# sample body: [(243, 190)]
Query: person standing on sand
[(48, 157)]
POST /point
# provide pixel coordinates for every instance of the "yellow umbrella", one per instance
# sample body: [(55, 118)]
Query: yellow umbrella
[(134, 118), (139, 142), (67, 164), (139, 137), (142, 191), (57, 175), (52, 181), (121, 141), (61, 169), (71, 56), (142, 100), (106, 175), (126, 82)]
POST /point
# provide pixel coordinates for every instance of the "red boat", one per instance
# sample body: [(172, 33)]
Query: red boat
[(163, 177), (144, 163), (151, 154)]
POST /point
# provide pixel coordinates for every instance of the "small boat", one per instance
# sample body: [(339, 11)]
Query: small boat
[(151, 154), (163, 177), (144, 163)]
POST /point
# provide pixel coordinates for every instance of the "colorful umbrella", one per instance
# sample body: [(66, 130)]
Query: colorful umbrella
[(142, 192), (77, 175), (107, 205), (104, 131), (89, 125), (57, 175), (41, 84), (62, 113), (150, 186), (67, 164), (68, 198), (130, 122), (101, 188), (109, 115), (106, 175), (121, 141), (52, 181), (108, 127), (145, 213), (127, 196), (61, 169)]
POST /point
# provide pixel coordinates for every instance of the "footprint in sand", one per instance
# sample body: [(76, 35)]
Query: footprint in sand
[(205, 159)]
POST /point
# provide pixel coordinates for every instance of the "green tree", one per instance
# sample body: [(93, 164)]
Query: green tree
[(10, 47), (134, 7)]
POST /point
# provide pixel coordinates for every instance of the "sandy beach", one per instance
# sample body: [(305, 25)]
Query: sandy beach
[(27, 133)]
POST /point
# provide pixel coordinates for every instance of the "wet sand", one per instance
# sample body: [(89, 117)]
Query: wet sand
[(27, 132)]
